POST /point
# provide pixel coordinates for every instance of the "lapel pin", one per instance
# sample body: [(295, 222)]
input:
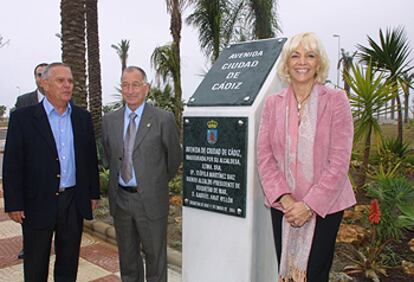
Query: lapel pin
[(148, 125)]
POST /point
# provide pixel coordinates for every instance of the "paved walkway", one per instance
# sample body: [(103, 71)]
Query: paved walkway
[(98, 259)]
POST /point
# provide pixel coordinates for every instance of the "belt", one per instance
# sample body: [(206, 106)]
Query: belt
[(130, 189), (63, 189)]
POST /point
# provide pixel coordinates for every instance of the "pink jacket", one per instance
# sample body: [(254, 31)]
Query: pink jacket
[(332, 190)]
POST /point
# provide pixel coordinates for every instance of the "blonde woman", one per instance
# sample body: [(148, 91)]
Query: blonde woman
[(304, 149)]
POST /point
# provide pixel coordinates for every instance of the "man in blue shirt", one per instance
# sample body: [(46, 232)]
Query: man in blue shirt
[(50, 176)]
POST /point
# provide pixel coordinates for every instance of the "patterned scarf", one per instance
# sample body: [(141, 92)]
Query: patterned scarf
[(297, 242)]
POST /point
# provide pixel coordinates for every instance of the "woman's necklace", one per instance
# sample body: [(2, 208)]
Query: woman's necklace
[(301, 103)]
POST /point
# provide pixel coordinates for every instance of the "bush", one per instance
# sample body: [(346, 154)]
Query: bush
[(104, 181), (176, 184), (396, 199)]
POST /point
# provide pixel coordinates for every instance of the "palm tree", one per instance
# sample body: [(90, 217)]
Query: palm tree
[(209, 18), (122, 50), (390, 55), (175, 9), (162, 98), (369, 96), (263, 17), (406, 85), (167, 67), (346, 61), (94, 65), (73, 45), (221, 22)]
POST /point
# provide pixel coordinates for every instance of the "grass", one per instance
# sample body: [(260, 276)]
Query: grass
[(390, 131)]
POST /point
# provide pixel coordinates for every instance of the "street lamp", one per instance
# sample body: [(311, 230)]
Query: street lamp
[(339, 57)]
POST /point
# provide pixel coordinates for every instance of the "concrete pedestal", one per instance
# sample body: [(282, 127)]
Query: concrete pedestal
[(221, 246)]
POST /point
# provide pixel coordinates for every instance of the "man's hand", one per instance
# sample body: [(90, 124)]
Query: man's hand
[(17, 216), (94, 204)]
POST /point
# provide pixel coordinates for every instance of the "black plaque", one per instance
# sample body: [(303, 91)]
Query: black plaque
[(215, 156), (238, 74)]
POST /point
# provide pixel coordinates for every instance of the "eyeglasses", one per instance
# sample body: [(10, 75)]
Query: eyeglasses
[(134, 85)]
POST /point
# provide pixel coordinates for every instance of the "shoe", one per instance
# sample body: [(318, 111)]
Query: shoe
[(21, 254)]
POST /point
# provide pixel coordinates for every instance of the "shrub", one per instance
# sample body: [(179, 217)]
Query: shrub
[(176, 184), (396, 199), (104, 181)]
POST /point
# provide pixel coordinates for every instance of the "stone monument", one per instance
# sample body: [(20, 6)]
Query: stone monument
[(227, 232)]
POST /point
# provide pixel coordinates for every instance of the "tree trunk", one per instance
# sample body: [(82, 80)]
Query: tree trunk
[(393, 109), (94, 66), (365, 161), (73, 46), (345, 73), (406, 103), (175, 29), (400, 120)]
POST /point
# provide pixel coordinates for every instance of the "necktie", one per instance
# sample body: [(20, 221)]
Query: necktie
[(126, 166)]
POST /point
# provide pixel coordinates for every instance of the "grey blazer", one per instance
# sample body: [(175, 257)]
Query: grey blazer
[(156, 157), (27, 99)]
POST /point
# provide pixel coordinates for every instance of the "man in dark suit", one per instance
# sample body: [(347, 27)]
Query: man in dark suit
[(143, 151), (50, 176), (32, 98), (37, 95)]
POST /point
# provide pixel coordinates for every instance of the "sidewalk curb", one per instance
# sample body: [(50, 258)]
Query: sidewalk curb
[(106, 232)]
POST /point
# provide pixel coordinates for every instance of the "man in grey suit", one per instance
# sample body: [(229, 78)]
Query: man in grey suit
[(29, 99), (142, 148), (37, 95)]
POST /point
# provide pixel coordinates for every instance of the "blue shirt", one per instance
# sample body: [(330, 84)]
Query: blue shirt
[(62, 133), (133, 181)]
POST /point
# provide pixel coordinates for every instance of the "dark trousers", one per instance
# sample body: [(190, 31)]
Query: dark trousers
[(323, 244), (68, 233)]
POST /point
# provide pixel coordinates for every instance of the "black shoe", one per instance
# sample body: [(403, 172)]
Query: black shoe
[(21, 254)]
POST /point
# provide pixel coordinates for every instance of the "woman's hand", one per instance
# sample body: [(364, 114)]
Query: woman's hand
[(297, 214), (286, 201)]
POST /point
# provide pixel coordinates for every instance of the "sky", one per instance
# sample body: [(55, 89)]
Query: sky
[(31, 27)]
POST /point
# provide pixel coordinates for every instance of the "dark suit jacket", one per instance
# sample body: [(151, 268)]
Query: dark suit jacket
[(27, 99), (156, 156), (31, 165)]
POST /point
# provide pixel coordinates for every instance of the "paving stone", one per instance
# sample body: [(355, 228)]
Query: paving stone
[(9, 248), (87, 240), (4, 216), (89, 271), (12, 273), (9, 229), (103, 255), (174, 276), (109, 278), (98, 261)]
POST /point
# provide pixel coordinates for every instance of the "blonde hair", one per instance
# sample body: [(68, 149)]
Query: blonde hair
[(310, 42)]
